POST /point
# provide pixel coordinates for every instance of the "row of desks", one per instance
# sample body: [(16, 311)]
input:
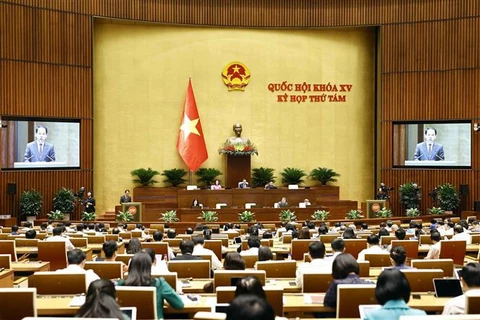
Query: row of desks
[(293, 303)]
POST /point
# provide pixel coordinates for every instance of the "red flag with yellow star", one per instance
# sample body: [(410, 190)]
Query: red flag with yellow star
[(190, 143)]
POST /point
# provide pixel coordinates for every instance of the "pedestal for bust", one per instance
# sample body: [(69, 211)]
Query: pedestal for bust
[(237, 168)]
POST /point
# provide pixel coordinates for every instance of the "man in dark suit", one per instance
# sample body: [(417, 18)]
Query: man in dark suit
[(186, 247), (40, 150), (126, 197), (429, 149)]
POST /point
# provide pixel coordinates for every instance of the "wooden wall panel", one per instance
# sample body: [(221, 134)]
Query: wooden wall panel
[(431, 95), (47, 182), (36, 89), (30, 34), (267, 13), (429, 65), (427, 179), (437, 45)]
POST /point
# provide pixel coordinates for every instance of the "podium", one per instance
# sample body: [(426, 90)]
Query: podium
[(135, 208), (372, 206), (237, 168)]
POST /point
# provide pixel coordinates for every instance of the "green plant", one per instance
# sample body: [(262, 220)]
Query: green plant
[(169, 216), (448, 198), (208, 216), (412, 212), (207, 176), (410, 195), (124, 216), (354, 214), (384, 213), (434, 210), (320, 215), (323, 175), (246, 216), (144, 176), (31, 203), (88, 216), (292, 176), (261, 176), (56, 215), (287, 216), (174, 176), (64, 201)]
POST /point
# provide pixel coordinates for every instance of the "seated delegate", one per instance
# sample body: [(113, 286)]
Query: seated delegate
[(196, 204), (243, 184), (270, 186), (283, 203), (216, 186)]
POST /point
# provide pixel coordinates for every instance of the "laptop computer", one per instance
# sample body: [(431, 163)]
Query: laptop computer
[(458, 272), (220, 307), (130, 312), (447, 287)]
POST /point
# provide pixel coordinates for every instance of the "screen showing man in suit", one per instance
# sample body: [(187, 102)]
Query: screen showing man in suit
[(40, 150), (429, 149)]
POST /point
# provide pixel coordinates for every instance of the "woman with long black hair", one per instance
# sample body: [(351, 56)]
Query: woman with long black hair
[(100, 302), (140, 275)]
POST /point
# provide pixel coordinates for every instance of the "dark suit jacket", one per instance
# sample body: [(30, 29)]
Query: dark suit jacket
[(90, 205), (186, 257), (421, 152), (32, 154), (125, 198)]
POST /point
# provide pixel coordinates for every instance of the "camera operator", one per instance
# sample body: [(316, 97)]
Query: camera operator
[(434, 195), (383, 191)]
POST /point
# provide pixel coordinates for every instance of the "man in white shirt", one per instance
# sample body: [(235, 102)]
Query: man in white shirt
[(373, 247), (460, 234), (470, 277), (158, 237), (316, 250), (139, 227), (434, 251), (76, 264), (253, 246), (199, 250), (58, 235), (448, 229)]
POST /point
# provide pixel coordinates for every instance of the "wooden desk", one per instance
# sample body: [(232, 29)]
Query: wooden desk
[(55, 305), (6, 278), (471, 248), (97, 248), (428, 302), (34, 251), (293, 303), (30, 266), (196, 285)]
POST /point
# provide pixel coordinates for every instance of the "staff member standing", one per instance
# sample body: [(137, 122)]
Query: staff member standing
[(90, 203)]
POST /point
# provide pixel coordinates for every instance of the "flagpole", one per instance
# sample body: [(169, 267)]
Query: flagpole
[(190, 177)]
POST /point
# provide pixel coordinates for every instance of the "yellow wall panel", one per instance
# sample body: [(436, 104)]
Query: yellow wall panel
[(140, 80)]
